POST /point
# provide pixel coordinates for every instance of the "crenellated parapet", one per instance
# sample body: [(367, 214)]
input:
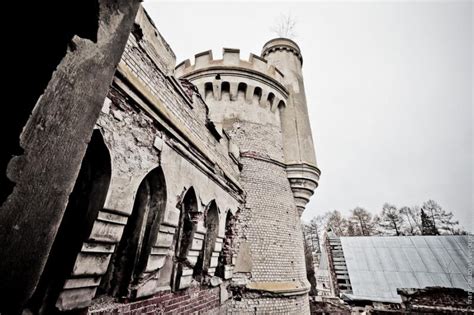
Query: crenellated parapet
[(204, 61), (233, 79)]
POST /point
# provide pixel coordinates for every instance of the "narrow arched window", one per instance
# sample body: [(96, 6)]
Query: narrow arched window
[(208, 92), (205, 264), (257, 94), (130, 261), (225, 91), (270, 99), (186, 230), (86, 200), (241, 91), (225, 256)]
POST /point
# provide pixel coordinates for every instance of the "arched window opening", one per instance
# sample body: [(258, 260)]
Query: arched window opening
[(211, 222), (281, 105), (208, 92), (86, 200), (225, 256), (225, 90), (241, 91), (130, 260), (187, 227), (270, 99), (257, 94)]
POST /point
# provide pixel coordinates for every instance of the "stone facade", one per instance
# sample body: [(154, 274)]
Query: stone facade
[(190, 192)]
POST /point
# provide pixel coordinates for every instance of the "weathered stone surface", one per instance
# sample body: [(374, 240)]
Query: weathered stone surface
[(75, 298)]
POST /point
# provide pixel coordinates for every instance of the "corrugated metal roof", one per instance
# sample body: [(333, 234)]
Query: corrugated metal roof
[(377, 266)]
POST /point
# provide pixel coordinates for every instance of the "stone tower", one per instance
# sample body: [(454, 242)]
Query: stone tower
[(261, 105), (298, 146)]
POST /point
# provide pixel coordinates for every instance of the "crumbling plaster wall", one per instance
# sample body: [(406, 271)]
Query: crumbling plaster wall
[(137, 146), (149, 121)]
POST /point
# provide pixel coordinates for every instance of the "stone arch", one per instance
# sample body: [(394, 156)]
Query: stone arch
[(225, 255), (130, 260), (211, 222), (85, 201)]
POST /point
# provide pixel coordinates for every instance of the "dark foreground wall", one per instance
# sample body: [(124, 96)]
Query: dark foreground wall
[(75, 48)]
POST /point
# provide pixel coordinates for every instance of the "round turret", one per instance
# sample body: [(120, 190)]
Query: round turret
[(246, 99), (282, 44), (300, 158)]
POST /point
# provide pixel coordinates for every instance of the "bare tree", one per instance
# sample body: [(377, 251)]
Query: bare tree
[(337, 223), (412, 219), (285, 26), (309, 259), (390, 220), (361, 222), (312, 235), (443, 221)]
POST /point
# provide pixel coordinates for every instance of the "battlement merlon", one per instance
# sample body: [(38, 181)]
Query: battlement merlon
[(204, 61)]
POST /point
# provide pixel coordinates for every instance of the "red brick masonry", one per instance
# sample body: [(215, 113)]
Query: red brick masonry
[(190, 301)]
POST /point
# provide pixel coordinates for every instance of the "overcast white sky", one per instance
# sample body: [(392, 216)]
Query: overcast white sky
[(389, 89)]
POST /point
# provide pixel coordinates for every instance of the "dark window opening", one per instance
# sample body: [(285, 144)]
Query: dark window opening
[(241, 91), (257, 94), (85, 202), (281, 105), (225, 256), (129, 262), (187, 227), (208, 92), (270, 99), (211, 222), (225, 91)]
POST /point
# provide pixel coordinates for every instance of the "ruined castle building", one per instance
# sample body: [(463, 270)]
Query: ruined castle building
[(188, 197), (263, 109)]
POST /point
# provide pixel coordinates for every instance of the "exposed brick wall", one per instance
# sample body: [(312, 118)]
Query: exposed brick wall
[(272, 224), (190, 301), (269, 221), (265, 139), (192, 119)]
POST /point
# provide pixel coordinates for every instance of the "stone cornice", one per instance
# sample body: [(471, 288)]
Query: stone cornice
[(285, 288)]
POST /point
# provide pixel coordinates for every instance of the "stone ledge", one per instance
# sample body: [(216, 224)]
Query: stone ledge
[(284, 288)]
